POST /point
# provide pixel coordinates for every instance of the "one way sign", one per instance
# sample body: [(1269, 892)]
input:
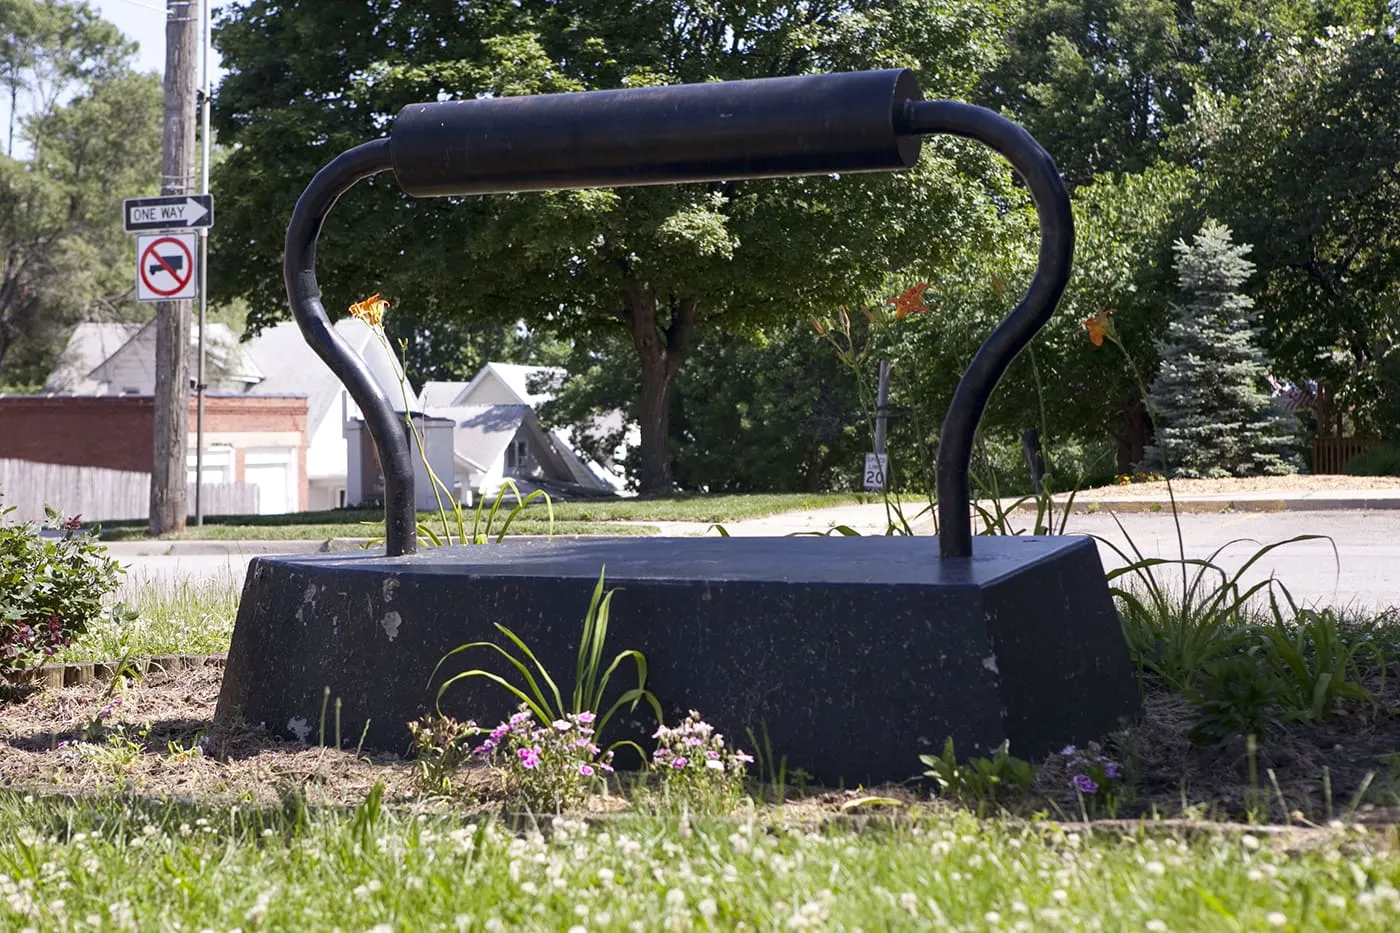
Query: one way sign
[(181, 212)]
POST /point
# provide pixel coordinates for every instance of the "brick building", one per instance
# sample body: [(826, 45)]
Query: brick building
[(261, 440)]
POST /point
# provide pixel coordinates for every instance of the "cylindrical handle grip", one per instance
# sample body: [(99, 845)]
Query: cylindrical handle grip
[(761, 128)]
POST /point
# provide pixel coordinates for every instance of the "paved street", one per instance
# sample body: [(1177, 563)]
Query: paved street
[(1364, 571)]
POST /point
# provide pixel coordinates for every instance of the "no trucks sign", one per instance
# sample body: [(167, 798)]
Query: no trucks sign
[(165, 266)]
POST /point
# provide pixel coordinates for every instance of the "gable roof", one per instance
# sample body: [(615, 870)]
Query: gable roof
[(134, 361), (291, 367), (481, 433), (514, 377), (518, 379), (441, 394), (88, 345)]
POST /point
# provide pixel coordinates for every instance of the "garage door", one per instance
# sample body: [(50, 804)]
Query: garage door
[(274, 472)]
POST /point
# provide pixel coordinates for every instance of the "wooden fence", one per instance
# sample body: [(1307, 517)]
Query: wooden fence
[(1330, 454), (102, 495)]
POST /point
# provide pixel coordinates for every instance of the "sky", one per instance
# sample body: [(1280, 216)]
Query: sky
[(144, 21)]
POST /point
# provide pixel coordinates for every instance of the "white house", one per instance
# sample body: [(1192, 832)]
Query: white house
[(289, 365), (497, 434), (119, 359)]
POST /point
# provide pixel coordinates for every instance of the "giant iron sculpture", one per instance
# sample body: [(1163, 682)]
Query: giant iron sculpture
[(853, 653)]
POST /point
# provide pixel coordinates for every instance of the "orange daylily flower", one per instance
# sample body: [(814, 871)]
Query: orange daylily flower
[(371, 310), (910, 301), (1100, 326)]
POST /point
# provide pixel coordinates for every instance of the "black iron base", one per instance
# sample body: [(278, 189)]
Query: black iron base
[(855, 654)]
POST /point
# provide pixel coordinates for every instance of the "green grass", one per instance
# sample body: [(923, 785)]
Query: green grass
[(173, 617), (571, 518), (119, 863), (324, 532)]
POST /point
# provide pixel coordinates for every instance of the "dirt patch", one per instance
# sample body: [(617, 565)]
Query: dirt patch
[(1254, 485), (1346, 767), (159, 742)]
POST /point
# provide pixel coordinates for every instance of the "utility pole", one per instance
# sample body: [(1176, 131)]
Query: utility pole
[(199, 386), (882, 406), (172, 391)]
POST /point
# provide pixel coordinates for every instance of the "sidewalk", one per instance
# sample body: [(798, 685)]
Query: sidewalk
[(871, 519), (1331, 500)]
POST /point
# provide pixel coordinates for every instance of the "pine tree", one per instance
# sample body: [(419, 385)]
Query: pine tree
[(1212, 414)]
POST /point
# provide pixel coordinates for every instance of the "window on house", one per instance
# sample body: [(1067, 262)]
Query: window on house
[(516, 455)]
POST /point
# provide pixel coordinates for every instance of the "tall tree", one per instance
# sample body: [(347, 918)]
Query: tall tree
[(1212, 412), (49, 47), (659, 266), (1104, 83), (63, 255), (1308, 170)]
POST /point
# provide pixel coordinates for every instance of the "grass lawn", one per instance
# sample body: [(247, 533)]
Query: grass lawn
[(120, 863), (570, 518), (123, 806), (171, 617)]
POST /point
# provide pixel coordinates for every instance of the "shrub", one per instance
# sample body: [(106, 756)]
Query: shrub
[(1381, 460), (1212, 415), (51, 588)]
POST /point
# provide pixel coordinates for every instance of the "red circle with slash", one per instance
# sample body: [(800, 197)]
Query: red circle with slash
[(178, 267)]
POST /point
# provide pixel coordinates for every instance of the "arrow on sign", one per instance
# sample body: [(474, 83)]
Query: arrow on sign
[(169, 213)]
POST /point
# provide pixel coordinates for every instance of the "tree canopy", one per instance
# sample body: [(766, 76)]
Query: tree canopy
[(88, 134), (658, 265)]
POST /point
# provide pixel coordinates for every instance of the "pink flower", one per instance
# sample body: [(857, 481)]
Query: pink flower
[(586, 717), (585, 770), (529, 757), (680, 762)]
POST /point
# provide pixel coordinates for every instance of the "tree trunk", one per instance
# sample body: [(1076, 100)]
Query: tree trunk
[(661, 351), (1132, 440)]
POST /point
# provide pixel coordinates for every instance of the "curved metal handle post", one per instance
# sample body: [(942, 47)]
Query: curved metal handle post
[(386, 426), (871, 97), (1051, 198)]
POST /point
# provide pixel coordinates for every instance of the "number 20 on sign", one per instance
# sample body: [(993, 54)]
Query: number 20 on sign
[(165, 267)]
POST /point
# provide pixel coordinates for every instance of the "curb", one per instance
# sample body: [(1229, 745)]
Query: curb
[(1198, 506), (55, 676), (252, 548)]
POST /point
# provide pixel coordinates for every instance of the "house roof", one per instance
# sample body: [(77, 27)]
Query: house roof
[(290, 366), (225, 361), (481, 433), (515, 377), (518, 379), (88, 345), (441, 394)]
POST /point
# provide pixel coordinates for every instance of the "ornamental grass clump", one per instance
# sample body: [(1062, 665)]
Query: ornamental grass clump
[(547, 767), (693, 763)]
